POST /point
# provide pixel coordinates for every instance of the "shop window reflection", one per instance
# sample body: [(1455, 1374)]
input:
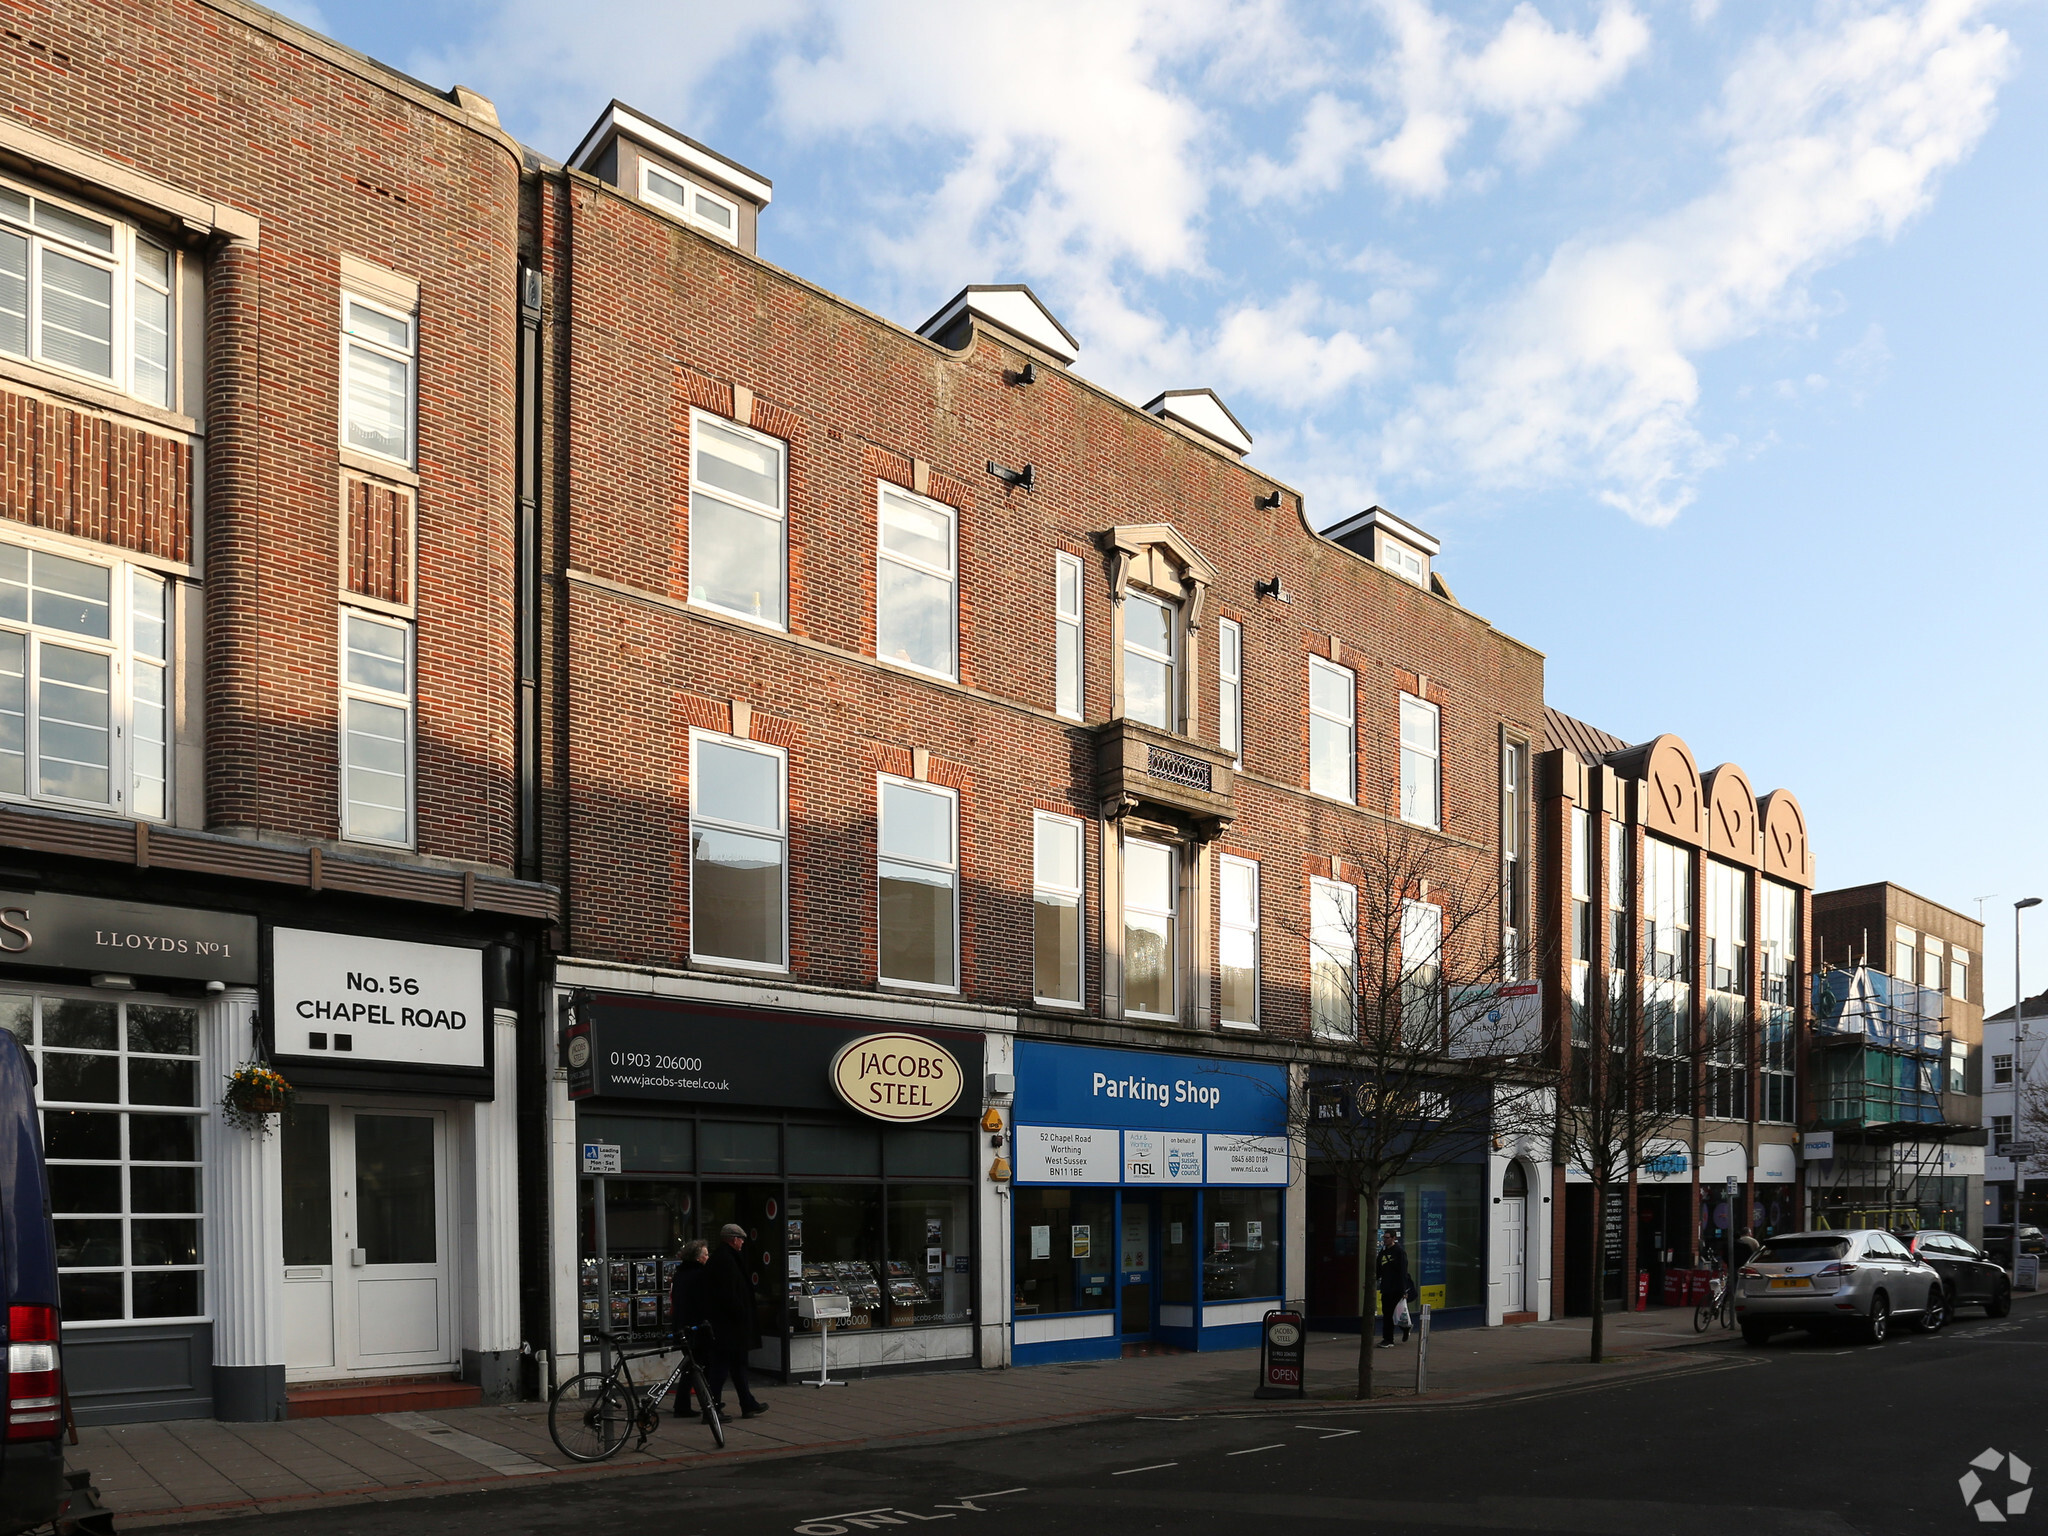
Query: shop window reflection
[(1064, 1247)]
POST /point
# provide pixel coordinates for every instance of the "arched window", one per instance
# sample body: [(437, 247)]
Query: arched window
[(1515, 1184)]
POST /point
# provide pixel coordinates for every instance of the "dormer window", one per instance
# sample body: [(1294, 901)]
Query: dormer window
[(1150, 650), (1404, 561), (693, 204)]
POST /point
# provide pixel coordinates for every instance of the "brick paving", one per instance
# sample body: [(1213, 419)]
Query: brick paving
[(196, 1469)]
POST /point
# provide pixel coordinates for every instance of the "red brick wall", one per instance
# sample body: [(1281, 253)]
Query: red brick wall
[(650, 319), (379, 539), (78, 472), (334, 158)]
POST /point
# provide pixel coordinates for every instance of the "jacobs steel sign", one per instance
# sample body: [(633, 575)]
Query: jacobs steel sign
[(897, 1077)]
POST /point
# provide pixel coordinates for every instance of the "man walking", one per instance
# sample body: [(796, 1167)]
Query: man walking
[(1393, 1283), (729, 1308)]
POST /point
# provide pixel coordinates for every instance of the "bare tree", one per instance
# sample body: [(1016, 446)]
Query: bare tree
[(1637, 1065), (1424, 1048)]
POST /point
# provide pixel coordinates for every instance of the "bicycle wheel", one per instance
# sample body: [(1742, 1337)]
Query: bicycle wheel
[(1702, 1315), (711, 1419), (590, 1416)]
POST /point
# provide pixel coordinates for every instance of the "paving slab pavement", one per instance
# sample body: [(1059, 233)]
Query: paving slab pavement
[(192, 1470)]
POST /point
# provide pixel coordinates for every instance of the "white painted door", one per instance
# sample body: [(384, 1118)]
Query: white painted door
[(392, 1295), (1514, 1250), (367, 1273)]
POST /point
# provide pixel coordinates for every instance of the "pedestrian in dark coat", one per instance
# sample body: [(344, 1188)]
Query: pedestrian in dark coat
[(729, 1308), (687, 1317), (1393, 1283)]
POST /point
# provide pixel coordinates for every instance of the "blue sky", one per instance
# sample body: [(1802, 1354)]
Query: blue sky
[(1709, 337)]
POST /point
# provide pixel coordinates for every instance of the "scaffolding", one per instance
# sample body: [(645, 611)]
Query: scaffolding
[(1880, 1063)]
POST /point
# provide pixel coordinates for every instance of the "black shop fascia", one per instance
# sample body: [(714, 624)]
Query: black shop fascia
[(848, 1149)]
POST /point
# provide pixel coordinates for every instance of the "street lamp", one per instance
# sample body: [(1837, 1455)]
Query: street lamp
[(2019, 1050)]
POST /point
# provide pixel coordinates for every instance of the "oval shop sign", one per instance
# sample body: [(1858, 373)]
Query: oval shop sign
[(897, 1077)]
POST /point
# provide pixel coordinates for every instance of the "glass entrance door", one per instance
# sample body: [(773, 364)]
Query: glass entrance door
[(758, 1208), (367, 1282), (1135, 1247)]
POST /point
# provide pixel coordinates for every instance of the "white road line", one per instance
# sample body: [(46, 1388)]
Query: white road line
[(996, 1495), (501, 1459), (851, 1514), (1252, 1450), (1157, 1466), (1326, 1432)]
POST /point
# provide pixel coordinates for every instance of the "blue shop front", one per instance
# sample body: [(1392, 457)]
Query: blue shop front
[(1148, 1201)]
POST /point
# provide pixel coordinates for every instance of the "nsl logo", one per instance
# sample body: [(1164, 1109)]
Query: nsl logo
[(2017, 1474)]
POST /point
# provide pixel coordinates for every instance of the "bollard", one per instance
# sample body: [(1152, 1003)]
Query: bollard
[(1422, 1352)]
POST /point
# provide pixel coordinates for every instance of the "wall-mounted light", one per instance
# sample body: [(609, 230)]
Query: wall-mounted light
[(1273, 589), (1267, 503), (1021, 477), (1028, 374), (114, 983)]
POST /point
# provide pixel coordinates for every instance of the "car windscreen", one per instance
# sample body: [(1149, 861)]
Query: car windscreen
[(1802, 1250)]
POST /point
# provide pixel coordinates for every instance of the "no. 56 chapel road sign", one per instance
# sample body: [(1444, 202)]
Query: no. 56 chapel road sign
[(600, 1157)]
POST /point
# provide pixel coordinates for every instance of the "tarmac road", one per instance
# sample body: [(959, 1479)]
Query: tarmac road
[(1800, 1437)]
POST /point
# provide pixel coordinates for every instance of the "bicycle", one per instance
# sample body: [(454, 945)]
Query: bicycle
[(592, 1413), (1720, 1302)]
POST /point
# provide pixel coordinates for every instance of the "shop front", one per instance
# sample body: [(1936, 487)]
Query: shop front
[(1148, 1201), (847, 1150), (185, 1231)]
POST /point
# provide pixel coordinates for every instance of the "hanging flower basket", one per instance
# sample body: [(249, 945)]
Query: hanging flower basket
[(255, 1093)]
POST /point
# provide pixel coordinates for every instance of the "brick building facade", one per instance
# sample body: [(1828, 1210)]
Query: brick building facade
[(258, 706), (996, 689)]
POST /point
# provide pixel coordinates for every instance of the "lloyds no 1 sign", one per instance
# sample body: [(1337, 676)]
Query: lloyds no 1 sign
[(343, 998)]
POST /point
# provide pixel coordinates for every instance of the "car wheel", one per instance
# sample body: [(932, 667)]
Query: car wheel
[(1935, 1313), (1755, 1333), (1879, 1322), (2001, 1300)]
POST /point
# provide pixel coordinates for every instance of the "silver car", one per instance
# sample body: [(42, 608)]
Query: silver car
[(1828, 1282)]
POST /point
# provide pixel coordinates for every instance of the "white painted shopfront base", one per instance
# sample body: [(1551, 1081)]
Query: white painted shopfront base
[(872, 1348), (1065, 1327)]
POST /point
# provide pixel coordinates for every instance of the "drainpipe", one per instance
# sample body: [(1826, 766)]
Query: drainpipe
[(527, 600)]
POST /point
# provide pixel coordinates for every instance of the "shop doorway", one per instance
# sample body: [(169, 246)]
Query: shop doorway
[(758, 1208), (1514, 1227), (368, 1283), (1333, 1278), (1136, 1284)]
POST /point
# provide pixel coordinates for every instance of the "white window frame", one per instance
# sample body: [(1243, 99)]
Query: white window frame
[(882, 856), (127, 1109), (124, 270), (1932, 971), (1959, 974), (1422, 918), (2001, 1063), (1344, 897), (780, 756), (745, 504), (409, 702), (1415, 568), (685, 209), (1230, 689), (1171, 912), (409, 356), (1175, 715), (2001, 1133), (1347, 723), (1226, 924), (125, 666), (1434, 760), (1076, 893), (1069, 700), (884, 556)]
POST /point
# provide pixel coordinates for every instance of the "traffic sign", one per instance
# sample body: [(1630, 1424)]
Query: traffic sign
[(600, 1157)]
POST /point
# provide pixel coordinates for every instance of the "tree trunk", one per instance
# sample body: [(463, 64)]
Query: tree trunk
[(1599, 1269), (1368, 1259)]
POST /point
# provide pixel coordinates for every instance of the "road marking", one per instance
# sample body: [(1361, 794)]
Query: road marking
[(996, 1495), (1326, 1432), (1157, 1466), (1164, 1418), (501, 1459), (1255, 1449)]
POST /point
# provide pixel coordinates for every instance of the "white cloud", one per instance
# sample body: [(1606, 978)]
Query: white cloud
[(1831, 136), (1437, 78), (1289, 353)]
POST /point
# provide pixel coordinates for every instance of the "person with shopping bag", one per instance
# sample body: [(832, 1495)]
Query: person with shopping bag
[(1393, 1286)]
